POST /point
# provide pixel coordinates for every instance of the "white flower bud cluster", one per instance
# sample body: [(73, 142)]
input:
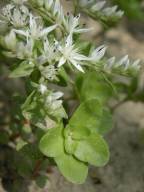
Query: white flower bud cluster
[(52, 99), (52, 8), (17, 49), (112, 11), (49, 72), (15, 15), (124, 64), (99, 6)]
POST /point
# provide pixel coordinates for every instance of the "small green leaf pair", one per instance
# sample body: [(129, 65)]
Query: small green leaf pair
[(52, 145), (79, 143)]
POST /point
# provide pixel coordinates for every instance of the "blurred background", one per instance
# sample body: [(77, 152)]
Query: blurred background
[(125, 171)]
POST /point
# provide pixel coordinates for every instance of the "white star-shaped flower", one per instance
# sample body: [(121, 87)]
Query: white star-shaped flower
[(72, 24), (71, 54), (49, 52), (35, 31)]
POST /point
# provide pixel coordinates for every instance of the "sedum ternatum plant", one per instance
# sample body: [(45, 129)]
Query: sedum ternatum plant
[(59, 68)]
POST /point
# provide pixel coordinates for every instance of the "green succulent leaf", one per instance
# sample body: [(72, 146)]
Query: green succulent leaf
[(93, 150), (23, 69), (28, 101), (74, 170), (82, 137), (85, 120), (76, 133), (70, 144), (94, 86), (106, 123), (51, 144)]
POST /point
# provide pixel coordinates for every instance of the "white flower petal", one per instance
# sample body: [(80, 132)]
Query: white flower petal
[(61, 61), (69, 41), (110, 10), (135, 63), (80, 57), (78, 66), (119, 13), (32, 22), (98, 6), (47, 30), (56, 104), (123, 61), (57, 95), (56, 7), (42, 88), (21, 32), (83, 30), (11, 40), (110, 63), (98, 53)]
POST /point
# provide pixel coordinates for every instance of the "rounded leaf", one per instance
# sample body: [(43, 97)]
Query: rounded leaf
[(93, 150), (94, 86), (51, 143), (106, 122), (74, 170), (85, 120)]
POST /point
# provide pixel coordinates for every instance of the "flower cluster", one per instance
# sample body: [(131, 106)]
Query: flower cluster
[(124, 64), (15, 15), (53, 53), (100, 6), (99, 10)]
